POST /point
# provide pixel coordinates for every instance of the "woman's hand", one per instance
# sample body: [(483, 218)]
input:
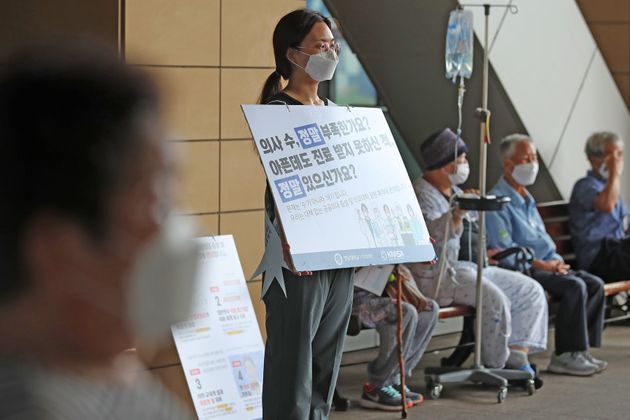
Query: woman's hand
[(472, 191), (435, 259), (286, 251)]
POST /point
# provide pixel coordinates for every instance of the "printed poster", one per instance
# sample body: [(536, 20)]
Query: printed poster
[(220, 346), (340, 186)]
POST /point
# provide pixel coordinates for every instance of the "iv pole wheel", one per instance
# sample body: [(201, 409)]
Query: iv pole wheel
[(530, 387), (436, 391), (502, 395)]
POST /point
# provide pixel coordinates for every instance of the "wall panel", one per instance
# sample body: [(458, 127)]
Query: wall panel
[(199, 176), (242, 176), (190, 100), (176, 33)]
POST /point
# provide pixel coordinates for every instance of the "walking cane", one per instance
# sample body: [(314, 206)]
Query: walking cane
[(399, 335)]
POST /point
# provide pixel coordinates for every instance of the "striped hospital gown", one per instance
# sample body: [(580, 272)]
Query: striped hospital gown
[(33, 393)]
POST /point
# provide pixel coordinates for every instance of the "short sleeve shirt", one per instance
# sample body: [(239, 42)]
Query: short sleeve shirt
[(589, 226), (519, 224)]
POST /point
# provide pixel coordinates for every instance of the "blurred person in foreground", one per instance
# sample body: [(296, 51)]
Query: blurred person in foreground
[(88, 251)]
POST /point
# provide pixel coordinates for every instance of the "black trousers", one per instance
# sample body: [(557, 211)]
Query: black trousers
[(580, 317), (613, 261), (305, 335)]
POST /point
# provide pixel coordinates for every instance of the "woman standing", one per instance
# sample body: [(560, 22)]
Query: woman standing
[(307, 326)]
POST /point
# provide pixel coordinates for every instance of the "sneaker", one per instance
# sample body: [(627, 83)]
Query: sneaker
[(385, 398), (415, 398), (601, 365), (571, 363)]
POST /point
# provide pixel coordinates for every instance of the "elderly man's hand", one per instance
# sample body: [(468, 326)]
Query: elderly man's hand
[(615, 165), (554, 266), (491, 253)]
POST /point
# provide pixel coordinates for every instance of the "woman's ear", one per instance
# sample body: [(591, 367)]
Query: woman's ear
[(296, 58), (290, 55)]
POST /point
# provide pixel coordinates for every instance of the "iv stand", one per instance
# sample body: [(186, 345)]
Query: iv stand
[(436, 377), (483, 162)]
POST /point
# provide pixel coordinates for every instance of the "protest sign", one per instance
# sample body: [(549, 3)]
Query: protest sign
[(340, 186), (220, 346)]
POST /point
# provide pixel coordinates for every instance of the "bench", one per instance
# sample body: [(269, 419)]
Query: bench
[(466, 340)]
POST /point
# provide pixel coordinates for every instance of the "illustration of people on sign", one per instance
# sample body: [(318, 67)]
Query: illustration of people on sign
[(365, 228), (416, 225), (369, 223), (391, 227), (404, 226), (378, 225)]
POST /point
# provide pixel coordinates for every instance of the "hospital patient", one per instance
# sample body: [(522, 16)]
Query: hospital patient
[(597, 213), (580, 295), (514, 313), (383, 390)]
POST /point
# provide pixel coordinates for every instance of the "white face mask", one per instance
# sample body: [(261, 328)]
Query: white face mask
[(525, 173), (461, 174), (163, 281), (320, 66), (604, 171)]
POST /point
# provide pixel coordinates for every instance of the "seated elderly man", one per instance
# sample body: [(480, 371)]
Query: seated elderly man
[(514, 313), (580, 316), (597, 213)]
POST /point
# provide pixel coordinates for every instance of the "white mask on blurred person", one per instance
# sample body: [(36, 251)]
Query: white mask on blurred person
[(525, 173), (461, 174), (163, 281)]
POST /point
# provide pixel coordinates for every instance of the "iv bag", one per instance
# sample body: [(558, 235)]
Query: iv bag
[(459, 44)]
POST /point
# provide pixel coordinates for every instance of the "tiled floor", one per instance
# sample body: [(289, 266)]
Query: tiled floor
[(604, 396)]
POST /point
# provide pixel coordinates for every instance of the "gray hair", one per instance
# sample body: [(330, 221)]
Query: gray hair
[(596, 142), (508, 143)]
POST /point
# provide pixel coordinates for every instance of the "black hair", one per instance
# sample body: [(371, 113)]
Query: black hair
[(68, 131), (289, 33)]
